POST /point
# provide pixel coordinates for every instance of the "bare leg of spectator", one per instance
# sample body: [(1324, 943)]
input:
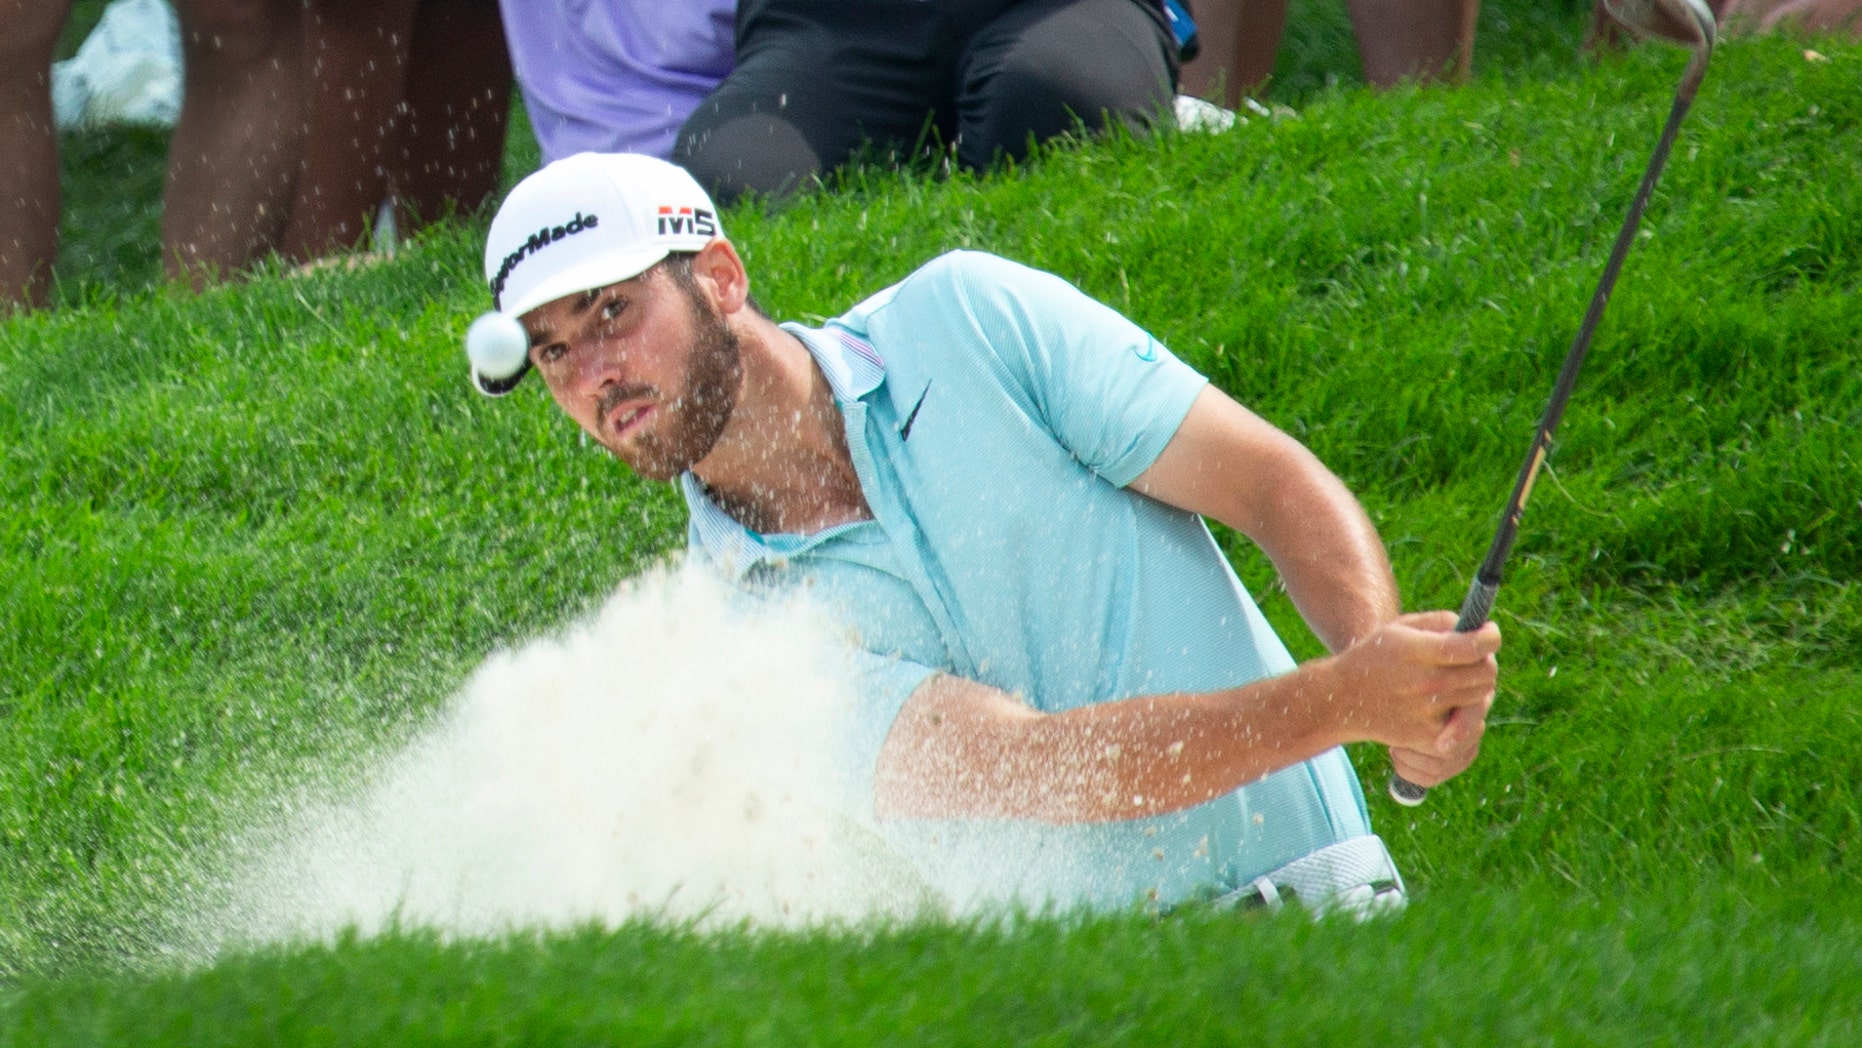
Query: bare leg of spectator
[(28, 150), (458, 102), (233, 160), (1414, 39), (1240, 39), (355, 61)]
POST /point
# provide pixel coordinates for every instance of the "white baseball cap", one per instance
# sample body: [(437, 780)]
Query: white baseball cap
[(583, 222)]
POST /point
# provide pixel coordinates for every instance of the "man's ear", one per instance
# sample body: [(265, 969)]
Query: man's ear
[(720, 271)]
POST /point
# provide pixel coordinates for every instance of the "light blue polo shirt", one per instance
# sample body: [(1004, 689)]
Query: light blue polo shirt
[(995, 414)]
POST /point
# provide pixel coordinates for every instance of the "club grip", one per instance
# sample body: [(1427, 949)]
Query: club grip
[(1474, 611), (1476, 605)]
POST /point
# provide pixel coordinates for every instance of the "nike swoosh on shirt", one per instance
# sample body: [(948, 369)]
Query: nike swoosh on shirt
[(905, 428)]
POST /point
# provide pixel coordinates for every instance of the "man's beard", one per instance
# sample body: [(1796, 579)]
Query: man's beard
[(695, 420)]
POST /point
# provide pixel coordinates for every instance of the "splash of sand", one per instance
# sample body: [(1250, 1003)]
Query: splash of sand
[(670, 757)]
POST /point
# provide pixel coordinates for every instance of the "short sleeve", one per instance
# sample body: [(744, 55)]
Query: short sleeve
[(1107, 390), (881, 687)]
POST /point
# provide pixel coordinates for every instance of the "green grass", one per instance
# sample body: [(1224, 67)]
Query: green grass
[(267, 527), (1686, 971)]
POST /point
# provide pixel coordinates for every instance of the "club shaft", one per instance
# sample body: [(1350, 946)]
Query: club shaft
[(1486, 585), (1491, 566)]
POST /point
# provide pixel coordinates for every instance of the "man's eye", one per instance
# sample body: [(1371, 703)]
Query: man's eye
[(550, 354), (613, 307)]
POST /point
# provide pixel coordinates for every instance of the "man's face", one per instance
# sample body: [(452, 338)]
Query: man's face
[(647, 366)]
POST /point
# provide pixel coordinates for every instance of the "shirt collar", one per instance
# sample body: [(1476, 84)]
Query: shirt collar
[(852, 366)]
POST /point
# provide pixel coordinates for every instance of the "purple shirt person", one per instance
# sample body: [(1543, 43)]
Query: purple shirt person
[(614, 76)]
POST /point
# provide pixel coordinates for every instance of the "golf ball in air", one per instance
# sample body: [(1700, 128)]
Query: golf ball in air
[(497, 345)]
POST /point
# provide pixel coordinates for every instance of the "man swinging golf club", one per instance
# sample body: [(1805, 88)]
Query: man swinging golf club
[(1001, 484)]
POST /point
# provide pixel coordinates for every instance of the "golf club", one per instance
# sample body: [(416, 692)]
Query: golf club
[(1690, 24)]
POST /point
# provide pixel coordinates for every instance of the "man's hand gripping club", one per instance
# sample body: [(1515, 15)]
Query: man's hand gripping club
[(1426, 691)]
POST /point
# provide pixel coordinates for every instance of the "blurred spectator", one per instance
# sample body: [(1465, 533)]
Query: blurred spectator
[(1397, 40), (232, 161), (408, 102), (818, 81), (271, 152), (616, 76), (28, 150)]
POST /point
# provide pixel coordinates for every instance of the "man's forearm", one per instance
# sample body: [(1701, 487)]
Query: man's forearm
[(964, 750), (974, 752)]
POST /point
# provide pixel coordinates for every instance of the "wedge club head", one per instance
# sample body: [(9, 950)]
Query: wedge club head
[(1688, 23)]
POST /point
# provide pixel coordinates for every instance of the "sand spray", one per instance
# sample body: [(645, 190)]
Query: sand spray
[(669, 758)]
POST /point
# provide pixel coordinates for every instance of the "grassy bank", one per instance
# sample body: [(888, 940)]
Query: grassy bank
[(268, 525), (1692, 969)]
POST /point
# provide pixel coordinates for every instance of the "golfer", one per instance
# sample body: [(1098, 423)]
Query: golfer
[(1068, 697)]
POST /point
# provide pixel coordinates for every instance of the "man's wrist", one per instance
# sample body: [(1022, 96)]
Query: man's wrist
[(1305, 711)]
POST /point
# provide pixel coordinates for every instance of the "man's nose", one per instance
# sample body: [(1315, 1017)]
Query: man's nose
[(597, 365)]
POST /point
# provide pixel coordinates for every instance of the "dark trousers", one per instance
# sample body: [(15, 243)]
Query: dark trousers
[(821, 82)]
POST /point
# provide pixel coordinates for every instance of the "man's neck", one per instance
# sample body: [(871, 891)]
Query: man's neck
[(782, 464)]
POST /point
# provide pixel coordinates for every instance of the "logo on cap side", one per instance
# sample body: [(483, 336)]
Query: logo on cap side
[(539, 240), (694, 220)]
